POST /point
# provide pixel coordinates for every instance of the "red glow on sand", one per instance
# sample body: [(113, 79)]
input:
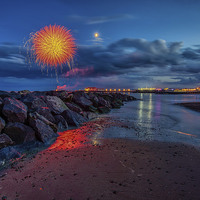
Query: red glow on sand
[(77, 138), (71, 139)]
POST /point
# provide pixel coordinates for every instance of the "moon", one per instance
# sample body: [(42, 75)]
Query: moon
[(96, 35)]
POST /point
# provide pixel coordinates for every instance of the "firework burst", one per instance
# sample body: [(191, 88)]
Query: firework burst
[(53, 46)]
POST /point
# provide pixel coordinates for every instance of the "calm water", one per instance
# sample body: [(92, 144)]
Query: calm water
[(156, 117)]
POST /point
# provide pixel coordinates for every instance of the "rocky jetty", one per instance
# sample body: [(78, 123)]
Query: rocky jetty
[(37, 116)]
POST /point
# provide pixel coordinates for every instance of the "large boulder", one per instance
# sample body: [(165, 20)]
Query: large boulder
[(45, 112), (73, 118), (36, 115), (92, 109), (2, 124), (108, 97), (15, 95), (19, 133), (61, 122), (69, 98), (91, 115), (63, 95), (43, 131), (36, 103), (104, 109), (117, 103), (14, 110), (5, 140), (82, 101), (94, 99), (4, 94), (33, 102), (74, 107), (56, 105), (103, 102)]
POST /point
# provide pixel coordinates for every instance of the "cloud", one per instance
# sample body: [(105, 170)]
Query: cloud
[(99, 19), (127, 55), (105, 19), (124, 62)]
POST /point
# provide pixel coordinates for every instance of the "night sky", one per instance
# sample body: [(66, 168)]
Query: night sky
[(153, 43)]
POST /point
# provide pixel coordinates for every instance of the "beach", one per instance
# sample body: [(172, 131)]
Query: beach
[(140, 151), (79, 166), (118, 169)]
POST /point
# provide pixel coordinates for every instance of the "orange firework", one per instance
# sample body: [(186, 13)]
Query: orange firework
[(53, 46)]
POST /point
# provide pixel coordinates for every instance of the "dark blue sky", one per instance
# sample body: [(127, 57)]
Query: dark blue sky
[(143, 43)]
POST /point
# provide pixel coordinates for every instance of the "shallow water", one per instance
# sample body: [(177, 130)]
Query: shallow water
[(155, 117)]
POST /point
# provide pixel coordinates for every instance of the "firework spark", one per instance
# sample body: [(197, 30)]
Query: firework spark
[(53, 46)]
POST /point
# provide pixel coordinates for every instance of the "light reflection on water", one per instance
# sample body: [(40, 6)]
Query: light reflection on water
[(156, 117)]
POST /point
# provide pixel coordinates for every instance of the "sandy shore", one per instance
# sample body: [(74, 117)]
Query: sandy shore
[(191, 105), (118, 169)]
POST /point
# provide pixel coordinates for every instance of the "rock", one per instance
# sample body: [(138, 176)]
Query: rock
[(37, 104), (61, 122), (82, 101), (91, 115), (34, 102), (108, 97), (2, 124), (103, 102), (63, 95), (74, 107), (4, 94), (117, 103), (92, 109), (39, 93), (5, 140), (131, 98), (56, 105), (19, 133), (73, 118), (1, 104), (15, 95), (69, 98), (24, 92), (8, 153), (43, 131), (45, 112), (104, 109), (14, 110), (36, 115), (94, 99)]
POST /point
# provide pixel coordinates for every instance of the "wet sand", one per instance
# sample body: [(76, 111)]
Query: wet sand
[(118, 169), (191, 105)]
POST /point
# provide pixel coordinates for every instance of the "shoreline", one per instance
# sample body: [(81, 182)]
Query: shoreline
[(117, 169)]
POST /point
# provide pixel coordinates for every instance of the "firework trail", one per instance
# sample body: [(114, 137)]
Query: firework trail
[(51, 46)]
